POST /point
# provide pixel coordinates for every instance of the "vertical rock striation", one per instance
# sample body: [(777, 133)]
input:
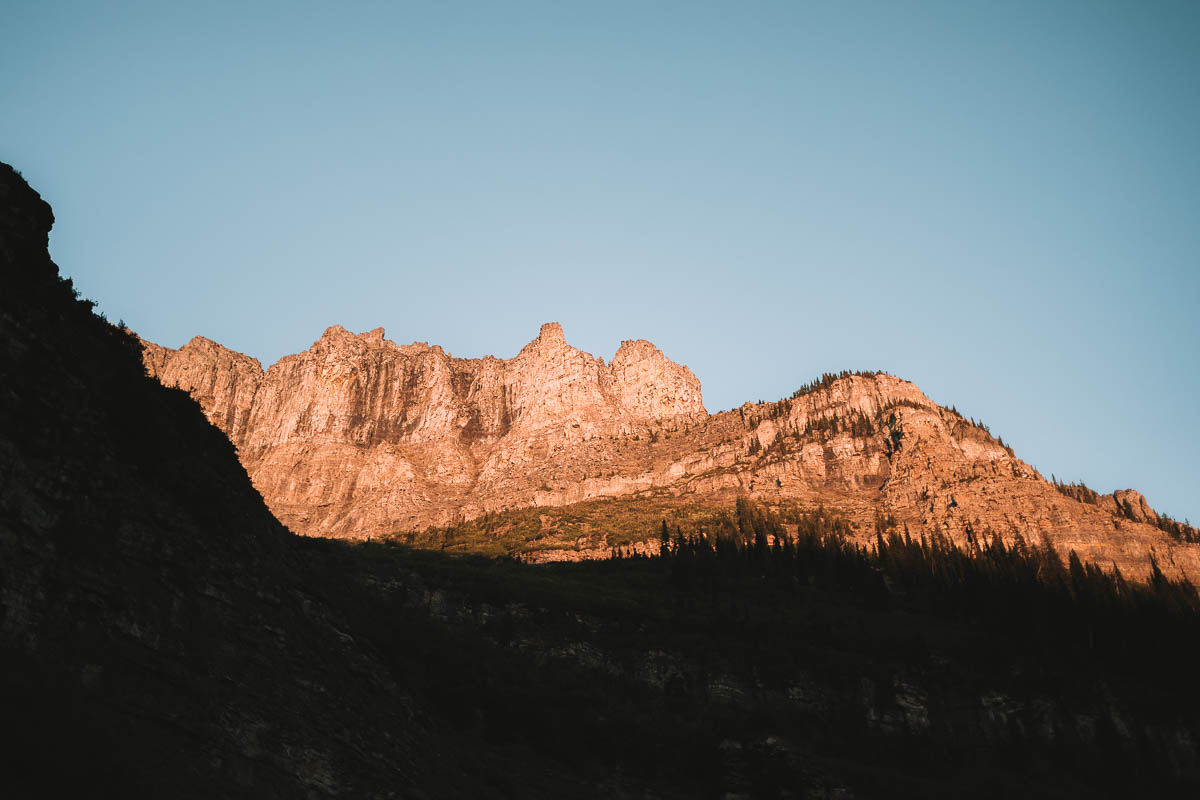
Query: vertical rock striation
[(360, 437)]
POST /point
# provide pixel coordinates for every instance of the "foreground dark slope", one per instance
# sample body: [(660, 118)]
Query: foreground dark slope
[(162, 635), (155, 630)]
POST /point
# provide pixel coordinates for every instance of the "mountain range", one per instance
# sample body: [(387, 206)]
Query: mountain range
[(358, 437), (162, 634)]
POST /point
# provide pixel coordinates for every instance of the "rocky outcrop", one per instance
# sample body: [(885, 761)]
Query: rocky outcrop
[(650, 385), (1129, 504), (222, 381), (361, 437)]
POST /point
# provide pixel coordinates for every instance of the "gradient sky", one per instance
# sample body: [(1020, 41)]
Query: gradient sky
[(997, 201)]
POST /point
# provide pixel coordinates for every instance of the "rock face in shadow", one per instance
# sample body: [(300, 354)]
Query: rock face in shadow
[(359, 437), (158, 634)]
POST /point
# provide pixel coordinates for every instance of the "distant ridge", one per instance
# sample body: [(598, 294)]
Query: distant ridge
[(360, 437)]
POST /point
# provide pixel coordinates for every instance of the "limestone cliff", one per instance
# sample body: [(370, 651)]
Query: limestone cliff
[(361, 437)]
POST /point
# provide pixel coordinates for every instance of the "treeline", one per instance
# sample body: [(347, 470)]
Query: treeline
[(829, 378), (781, 408), (979, 425), (821, 428), (858, 425), (1179, 531), (1077, 491), (1023, 589)]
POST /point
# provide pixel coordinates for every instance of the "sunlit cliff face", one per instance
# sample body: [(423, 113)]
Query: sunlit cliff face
[(360, 437)]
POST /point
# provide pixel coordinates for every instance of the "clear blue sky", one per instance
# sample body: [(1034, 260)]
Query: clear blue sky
[(998, 201)]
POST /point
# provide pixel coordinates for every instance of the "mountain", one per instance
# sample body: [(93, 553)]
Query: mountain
[(359, 437), (162, 635)]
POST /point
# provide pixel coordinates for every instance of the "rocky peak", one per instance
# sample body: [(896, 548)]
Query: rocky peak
[(550, 343), (551, 333), (550, 382), (200, 348), (1129, 504), (223, 381), (337, 339), (334, 333), (651, 386)]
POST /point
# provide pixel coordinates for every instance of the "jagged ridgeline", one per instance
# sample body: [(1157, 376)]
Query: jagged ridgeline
[(359, 437), (1129, 505), (162, 635)]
